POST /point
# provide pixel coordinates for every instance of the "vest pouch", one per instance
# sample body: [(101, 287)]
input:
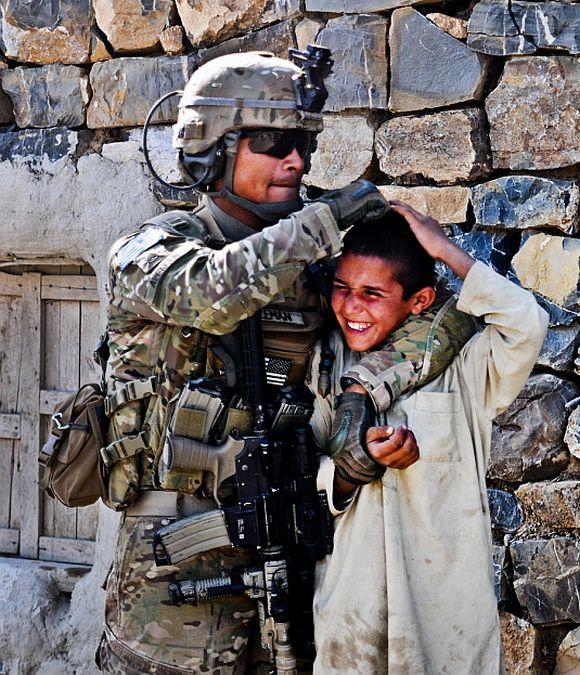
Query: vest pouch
[(194, 413), (289, 338), (73, 471)]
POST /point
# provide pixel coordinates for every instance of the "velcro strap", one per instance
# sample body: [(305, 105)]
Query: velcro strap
[(130, 391), (127, 446)]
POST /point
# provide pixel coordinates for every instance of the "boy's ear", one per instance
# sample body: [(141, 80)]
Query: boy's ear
[(422, 299)]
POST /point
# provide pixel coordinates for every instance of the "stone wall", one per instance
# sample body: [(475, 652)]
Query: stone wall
[(467, 110)]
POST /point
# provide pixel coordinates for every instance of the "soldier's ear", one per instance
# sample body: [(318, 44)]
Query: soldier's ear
[(422, 299)]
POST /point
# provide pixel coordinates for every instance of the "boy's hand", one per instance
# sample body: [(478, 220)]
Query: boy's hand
[(396, 449), (433, 240)]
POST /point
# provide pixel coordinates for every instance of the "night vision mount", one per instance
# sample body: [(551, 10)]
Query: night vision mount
[(316, 65)]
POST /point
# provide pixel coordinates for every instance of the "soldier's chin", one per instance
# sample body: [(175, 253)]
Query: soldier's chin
[(282, 193)]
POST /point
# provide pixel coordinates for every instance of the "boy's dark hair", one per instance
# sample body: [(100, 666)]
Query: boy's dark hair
[(391, 239)]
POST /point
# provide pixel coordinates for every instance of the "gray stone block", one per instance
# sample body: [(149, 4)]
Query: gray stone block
[(500, 27), (548, 265), (446, 204), (125, 89), (500, 574), (568, 657), (207, 22), (447, 147), (547, 578), (504, 510), (276, 39), (36, 147), (572, 435), (495, 249), (526, 202), (429, 68), (345, 151), (534, 114), (522, 645), (46, 32), (49, 96), (359, 49), (455, 27), (132, 25), (6, 110), (560, 348), (359, 6), (528, 439), (550, 507)]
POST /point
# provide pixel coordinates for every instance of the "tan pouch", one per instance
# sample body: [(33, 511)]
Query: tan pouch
[(289, 337), (73, 468)]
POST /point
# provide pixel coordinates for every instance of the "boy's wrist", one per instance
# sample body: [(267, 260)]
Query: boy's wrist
[(455, 258)]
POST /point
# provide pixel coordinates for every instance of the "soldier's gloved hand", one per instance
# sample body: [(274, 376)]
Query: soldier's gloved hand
[(352, 418), (357, 201)]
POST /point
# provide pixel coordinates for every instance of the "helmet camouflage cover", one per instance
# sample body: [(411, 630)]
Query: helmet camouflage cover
[(240, 91)]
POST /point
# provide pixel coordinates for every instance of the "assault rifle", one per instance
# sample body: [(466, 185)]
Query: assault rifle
[(277, 512)]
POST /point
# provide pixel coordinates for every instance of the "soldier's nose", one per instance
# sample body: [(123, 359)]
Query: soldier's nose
[(293, 161)]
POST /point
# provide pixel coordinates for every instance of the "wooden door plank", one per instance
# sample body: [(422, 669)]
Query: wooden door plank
[(29, 497), (48, 504), (10, 284), (67, 550), (51, 398), (80, 281), (62, 367), (9, 427), (9, 540), (71, 294), (50, 382), (11, 350), (69, 287)]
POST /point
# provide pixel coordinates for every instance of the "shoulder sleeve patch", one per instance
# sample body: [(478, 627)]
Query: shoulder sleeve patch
[(137, 245)]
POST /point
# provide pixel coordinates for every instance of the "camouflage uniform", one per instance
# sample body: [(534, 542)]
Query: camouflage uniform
[(159, 303)]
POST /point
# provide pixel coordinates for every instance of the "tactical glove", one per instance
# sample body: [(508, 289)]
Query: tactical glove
[(352, 417), (357, 201)]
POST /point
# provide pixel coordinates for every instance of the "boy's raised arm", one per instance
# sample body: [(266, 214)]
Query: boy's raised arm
[(433, 240)]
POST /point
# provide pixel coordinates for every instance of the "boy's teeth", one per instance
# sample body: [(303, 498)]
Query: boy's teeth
[(357, 325)]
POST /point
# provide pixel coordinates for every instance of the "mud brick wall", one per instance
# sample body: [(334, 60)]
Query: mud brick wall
[(467, 110)]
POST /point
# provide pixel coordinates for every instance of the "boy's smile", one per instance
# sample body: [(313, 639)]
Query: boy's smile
[(368, 302)]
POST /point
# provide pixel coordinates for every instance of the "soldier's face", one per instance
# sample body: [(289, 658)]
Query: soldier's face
[(368, 301), (264, 179)]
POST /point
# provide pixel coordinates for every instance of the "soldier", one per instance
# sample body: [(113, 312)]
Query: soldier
[(245, 134)]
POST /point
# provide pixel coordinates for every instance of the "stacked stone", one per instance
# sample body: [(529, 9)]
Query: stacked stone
[(471, 117)]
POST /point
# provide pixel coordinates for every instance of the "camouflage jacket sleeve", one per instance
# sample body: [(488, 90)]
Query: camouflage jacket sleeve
[(416, 353), (180, 281)]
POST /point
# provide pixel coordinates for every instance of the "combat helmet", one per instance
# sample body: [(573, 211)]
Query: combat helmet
[(244, 91)]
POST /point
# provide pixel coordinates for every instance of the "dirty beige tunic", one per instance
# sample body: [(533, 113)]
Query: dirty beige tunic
[(409, 587)]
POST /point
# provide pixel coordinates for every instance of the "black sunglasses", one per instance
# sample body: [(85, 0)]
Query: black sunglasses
[(279, 143)]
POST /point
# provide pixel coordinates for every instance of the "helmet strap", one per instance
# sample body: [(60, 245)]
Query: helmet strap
[(271, 212)]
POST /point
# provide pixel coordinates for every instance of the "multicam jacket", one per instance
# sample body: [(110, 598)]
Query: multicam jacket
[(168, 284), (181, 276)]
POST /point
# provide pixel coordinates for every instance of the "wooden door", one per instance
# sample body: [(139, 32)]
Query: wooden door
[(49, 325)]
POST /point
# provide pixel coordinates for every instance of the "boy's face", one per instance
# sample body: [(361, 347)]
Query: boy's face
[(367, 301)]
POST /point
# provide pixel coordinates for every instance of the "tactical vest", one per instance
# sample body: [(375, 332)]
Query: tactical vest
[(141, 409)]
